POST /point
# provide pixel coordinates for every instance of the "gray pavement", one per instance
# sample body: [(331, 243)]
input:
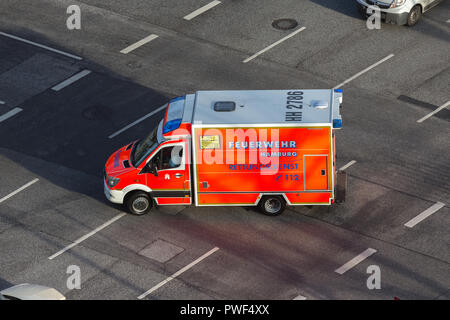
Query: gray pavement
[(61, 138)]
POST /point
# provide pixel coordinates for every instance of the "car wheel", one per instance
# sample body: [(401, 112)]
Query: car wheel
[(414, 15), (139, 203), (272, 205)]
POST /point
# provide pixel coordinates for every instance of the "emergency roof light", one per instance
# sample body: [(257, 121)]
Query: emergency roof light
[(174, 114)]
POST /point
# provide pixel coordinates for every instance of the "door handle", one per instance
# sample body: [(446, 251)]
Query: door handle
[(322, 172), (178, 175), (205, 184)]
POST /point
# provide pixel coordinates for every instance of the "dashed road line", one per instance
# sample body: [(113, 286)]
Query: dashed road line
[(356, 260), (2, 102), (411, 223), (41, 46), (273, 45), (86, 236), (176, 274), (138, 44), (10, 113), (199, 11), (364, 71), (347, 165), (71, 80), (136, 122), (445, 105), (18, 190), (448, 21)]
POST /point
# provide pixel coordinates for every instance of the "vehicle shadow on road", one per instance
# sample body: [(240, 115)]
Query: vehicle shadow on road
[(347, 7), (62, 138)]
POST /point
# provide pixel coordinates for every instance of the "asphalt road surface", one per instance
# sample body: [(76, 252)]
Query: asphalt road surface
[(55, 136)]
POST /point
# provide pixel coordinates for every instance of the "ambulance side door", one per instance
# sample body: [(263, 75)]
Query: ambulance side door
[(166, 174)]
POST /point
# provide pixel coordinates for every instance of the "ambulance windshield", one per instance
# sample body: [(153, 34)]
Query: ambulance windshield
[(145, 146)]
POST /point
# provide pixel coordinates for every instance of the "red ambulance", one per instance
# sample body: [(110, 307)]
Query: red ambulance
[(265, 148)]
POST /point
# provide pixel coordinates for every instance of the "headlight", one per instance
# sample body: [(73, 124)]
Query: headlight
[(397, 3), (112, 181)]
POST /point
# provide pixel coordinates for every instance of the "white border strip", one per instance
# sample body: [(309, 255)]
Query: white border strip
[(347, 165), (10, 113), (41, 46), (411, 223), (273, 45), (138, 44), (199, 11), (364, 71), (71, 80), (358, 259), (434, 112), (137, 121), (176, 274), (79, 240), (18, 190)]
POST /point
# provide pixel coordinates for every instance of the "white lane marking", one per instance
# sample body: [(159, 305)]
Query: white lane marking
[(358, 259), (199, 11), (347, 165), (10, 113), (299, 297), (136, 122), (445, 105), (435, 207), (176, 274), (71, 80), (448, 21), (18, 190), (41, 46), (274, 44), (2, 102), (364, 71), (139, 44), (79, 240)]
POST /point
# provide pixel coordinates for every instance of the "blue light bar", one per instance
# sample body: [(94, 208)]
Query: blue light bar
[(171, 125), (337, 90), (337, 123), (177, 99)]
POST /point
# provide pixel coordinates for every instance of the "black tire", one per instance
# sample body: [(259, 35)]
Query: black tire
[(414, 16), (272, 205), (139, 203)]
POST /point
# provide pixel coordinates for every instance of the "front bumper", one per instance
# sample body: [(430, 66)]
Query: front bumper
[(115, 196), (395, 16)]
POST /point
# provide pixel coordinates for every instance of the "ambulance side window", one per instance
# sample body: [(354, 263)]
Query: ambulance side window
[(168, 158)]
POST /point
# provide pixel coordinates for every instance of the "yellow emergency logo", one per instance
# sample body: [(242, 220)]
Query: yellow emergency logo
[(209, 142)]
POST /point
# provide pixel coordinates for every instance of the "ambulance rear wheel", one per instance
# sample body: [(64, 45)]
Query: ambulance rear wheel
[(139, 203), (272, 205)]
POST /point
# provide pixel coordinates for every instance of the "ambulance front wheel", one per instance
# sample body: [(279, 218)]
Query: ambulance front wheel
[(139, 203), (272, 205)]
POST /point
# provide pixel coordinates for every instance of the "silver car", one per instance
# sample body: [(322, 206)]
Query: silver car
[(27, 291), (399, 11)]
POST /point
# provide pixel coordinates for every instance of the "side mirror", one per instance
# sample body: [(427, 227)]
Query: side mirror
[(154, 168)]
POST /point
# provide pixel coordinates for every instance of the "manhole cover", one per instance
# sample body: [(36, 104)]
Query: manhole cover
[(161, 251), (284, 24), (96, 113)]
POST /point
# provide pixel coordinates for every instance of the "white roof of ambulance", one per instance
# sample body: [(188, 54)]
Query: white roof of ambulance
[(261, 107)]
